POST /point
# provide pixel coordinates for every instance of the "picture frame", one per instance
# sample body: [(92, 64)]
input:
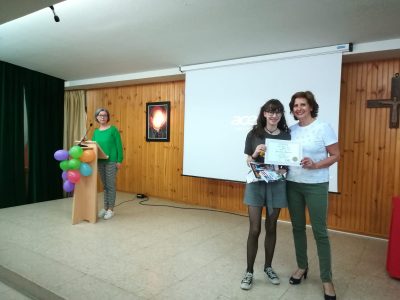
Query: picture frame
[(158, 121)]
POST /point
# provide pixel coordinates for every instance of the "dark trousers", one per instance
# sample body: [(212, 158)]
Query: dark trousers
[(315, 197)]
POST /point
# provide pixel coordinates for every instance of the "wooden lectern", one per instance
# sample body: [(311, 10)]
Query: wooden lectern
[(84, 207)]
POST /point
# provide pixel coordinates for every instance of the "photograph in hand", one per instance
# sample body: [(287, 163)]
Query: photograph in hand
[(267, 172)]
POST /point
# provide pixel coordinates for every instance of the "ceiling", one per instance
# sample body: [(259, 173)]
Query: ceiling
[(100, 38)]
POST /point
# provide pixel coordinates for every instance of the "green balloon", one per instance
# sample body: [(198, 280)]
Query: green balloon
[(75, 152), (64, 165), (74, 164)]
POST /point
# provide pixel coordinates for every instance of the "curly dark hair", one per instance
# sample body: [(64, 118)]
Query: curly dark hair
[(272, 106), (309, 96)]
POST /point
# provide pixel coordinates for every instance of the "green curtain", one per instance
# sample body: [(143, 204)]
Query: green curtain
[(44, 96), (12, 178)]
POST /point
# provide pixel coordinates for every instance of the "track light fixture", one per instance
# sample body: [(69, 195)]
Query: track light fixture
[(56, 18)]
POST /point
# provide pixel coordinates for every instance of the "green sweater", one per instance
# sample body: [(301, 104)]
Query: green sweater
[(110, 141)]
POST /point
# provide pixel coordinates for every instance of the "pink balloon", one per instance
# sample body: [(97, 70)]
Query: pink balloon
[(73, 176)]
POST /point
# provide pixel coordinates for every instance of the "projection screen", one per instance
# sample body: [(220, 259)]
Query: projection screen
[(222, 104)]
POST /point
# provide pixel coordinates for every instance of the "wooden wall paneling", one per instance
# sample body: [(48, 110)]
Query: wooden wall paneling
[(186, 187), (382, 153), (370, 159), (368, 189), (385, 182), (120, 121), (227, 193), (384, 78), (148, 163), (352, 201), (178, 92), (134, 133), (174, 158), (369, 150), (362, 153), (376, 144), (367, 159), (284, 215), (389, 157), (170, 158), (389, 142), (139, 140), (380, 125), (358, 148), (345, 142), (353, 145), (346, 157), (124, 172)]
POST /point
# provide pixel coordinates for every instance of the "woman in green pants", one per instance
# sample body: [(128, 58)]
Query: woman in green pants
[(307, 186)]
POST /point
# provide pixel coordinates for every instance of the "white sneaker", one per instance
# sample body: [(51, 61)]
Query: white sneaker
[(102, 212), (271, 276), (109, 214), (247, 281)]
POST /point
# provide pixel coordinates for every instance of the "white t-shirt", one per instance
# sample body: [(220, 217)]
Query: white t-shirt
[(313, 138)]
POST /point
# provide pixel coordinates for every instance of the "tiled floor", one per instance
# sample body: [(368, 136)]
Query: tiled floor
[(10, 294), (147, 252)]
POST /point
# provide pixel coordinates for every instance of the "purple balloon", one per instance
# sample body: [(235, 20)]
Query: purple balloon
[(61, 155), (64, 175), (68, 186)]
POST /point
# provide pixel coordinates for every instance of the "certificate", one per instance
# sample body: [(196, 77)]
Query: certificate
[(282, 152)]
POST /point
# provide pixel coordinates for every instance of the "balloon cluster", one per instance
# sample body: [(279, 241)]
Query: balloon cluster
[(74, 163)]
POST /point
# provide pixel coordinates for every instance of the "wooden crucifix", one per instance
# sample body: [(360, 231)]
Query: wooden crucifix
[(393, 103)]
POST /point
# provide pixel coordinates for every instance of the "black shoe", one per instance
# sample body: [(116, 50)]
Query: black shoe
[(298, 280), (328, 297)]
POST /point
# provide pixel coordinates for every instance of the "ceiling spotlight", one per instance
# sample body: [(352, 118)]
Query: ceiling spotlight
[(56, 18)]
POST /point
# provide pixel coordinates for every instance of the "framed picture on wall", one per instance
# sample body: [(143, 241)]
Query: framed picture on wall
[(157, 121)]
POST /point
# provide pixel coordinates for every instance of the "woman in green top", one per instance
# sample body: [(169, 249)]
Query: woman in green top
[(109, 139)]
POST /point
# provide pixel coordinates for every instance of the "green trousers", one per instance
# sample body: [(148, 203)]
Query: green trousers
[(315, 197)]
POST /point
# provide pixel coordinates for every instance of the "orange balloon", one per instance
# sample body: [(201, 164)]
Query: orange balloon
[(87, 156)]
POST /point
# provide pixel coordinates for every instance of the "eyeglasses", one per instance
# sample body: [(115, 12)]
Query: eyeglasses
[(102, 116), (270, 113)]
